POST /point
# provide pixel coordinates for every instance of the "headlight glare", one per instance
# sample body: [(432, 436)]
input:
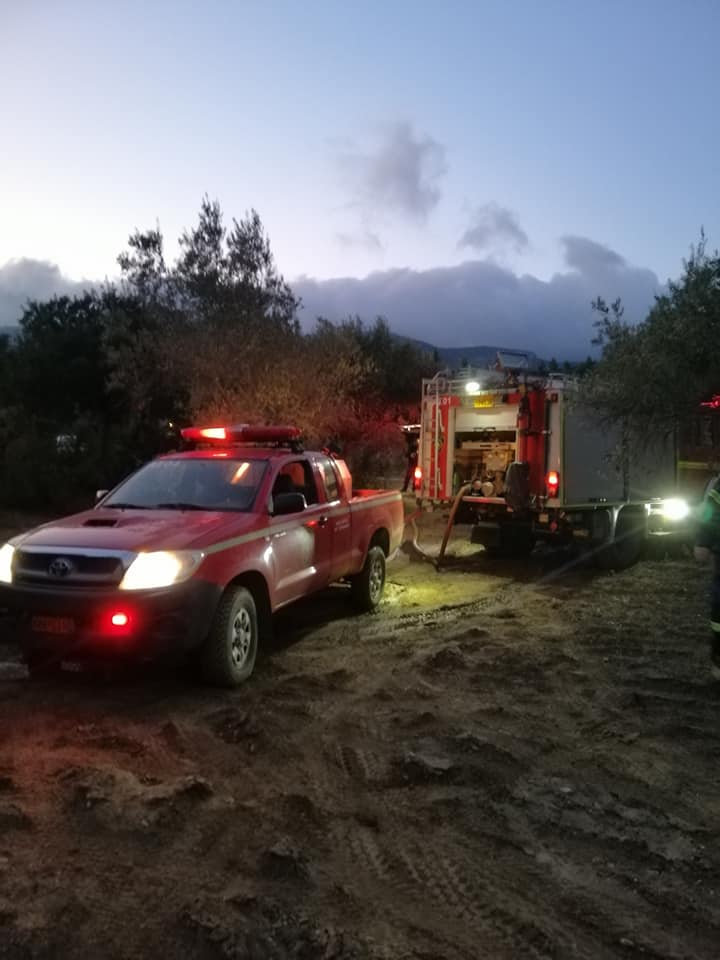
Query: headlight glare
[(6, 558), (675, 509), (159, 568)]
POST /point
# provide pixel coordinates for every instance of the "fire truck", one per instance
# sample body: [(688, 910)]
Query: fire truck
[(521, 458)]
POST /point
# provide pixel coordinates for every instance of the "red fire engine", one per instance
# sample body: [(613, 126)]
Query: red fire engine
[(522, 459)]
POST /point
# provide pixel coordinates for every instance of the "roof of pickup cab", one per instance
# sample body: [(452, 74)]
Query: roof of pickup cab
[(241, 441), (237, 452), (231, 453)]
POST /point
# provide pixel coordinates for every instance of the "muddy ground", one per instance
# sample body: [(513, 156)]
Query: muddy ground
[(505, 762)]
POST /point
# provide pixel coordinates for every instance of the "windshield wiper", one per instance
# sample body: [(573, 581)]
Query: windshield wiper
[(179, 505), (126, 506)]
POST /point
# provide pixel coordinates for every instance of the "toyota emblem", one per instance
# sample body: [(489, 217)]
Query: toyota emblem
[(60, 567)]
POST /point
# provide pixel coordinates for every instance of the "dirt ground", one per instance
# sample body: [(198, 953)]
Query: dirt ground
[(504, 762)]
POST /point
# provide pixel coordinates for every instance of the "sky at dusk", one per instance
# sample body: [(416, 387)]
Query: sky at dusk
[(475, 171)]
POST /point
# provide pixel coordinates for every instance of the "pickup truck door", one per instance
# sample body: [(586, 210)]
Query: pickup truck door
[(339, 519), (300, 543)]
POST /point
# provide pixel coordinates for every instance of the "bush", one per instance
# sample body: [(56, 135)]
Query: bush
[(377, 454)]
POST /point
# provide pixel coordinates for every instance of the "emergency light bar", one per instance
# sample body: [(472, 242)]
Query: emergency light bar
[(241, 434)]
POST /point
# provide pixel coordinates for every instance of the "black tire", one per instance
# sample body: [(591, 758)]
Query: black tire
[(628, 544), (230, 649), (367, 587), (42, 666), (518, 543)]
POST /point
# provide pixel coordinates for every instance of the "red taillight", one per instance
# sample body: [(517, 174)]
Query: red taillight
[(418, 473), (120, 619), (552, 482)]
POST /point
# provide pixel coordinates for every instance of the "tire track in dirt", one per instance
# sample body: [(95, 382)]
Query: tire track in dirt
[(465, 903), (475, 911), (370, 843)]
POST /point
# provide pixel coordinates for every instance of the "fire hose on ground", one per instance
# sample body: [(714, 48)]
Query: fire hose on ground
[(411, 545)]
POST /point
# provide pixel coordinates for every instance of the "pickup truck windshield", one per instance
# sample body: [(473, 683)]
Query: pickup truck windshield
[(212, 484)]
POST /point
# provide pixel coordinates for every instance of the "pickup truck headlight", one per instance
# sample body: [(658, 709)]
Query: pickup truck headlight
[(6, 557), (160, 568)]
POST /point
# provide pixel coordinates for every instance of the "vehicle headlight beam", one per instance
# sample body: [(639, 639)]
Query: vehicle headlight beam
[(160, 568), (7, 551)]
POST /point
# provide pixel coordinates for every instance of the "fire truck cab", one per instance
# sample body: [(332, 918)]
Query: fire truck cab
[(526, 461)]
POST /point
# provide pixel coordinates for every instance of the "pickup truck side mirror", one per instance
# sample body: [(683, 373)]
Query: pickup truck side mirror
[(99, 494), (288, 503)]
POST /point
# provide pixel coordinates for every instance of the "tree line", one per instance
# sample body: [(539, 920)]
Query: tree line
[(656, 373), (94, 385)]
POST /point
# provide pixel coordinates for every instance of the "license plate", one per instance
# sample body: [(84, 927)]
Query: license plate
[(71, 666), (481, 402), (58, 625)]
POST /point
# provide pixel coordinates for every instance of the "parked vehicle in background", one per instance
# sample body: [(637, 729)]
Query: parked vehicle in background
[(532, 463), (699, 450)]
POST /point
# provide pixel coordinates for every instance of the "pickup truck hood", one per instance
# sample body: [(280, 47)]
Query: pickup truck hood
[(135, 530)]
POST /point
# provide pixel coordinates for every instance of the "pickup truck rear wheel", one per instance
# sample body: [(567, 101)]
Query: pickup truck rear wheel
[(232, 643), (368, 585)]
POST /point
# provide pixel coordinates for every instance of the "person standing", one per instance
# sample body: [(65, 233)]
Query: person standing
[(412, 462), (707, 547)]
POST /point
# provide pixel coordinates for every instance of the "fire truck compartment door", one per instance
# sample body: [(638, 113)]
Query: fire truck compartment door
[(594, 468), (497, 418)]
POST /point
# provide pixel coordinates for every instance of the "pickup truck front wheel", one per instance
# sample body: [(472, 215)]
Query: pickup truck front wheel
[(42, 666), (367, 587), (232, 643)]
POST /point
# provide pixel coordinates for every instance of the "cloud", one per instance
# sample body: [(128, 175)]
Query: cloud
[(587, 256), (473, 303), (364, 238), (24, 279), (494, 228), (482, 302), (402, 174)]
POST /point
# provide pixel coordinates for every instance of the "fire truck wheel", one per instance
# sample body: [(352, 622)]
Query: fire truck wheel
[(367, 587), (518, 545), (628, 544), (231, 646)]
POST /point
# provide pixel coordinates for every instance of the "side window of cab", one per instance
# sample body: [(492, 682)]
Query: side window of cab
[(296, 477), (330, 479)]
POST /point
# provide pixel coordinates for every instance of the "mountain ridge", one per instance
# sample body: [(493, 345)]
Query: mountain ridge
[(480, 355)]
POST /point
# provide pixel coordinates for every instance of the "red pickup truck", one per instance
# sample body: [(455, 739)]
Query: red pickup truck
[(194, 552)]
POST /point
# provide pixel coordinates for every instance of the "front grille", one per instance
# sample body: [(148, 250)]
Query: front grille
[(56, 569)]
